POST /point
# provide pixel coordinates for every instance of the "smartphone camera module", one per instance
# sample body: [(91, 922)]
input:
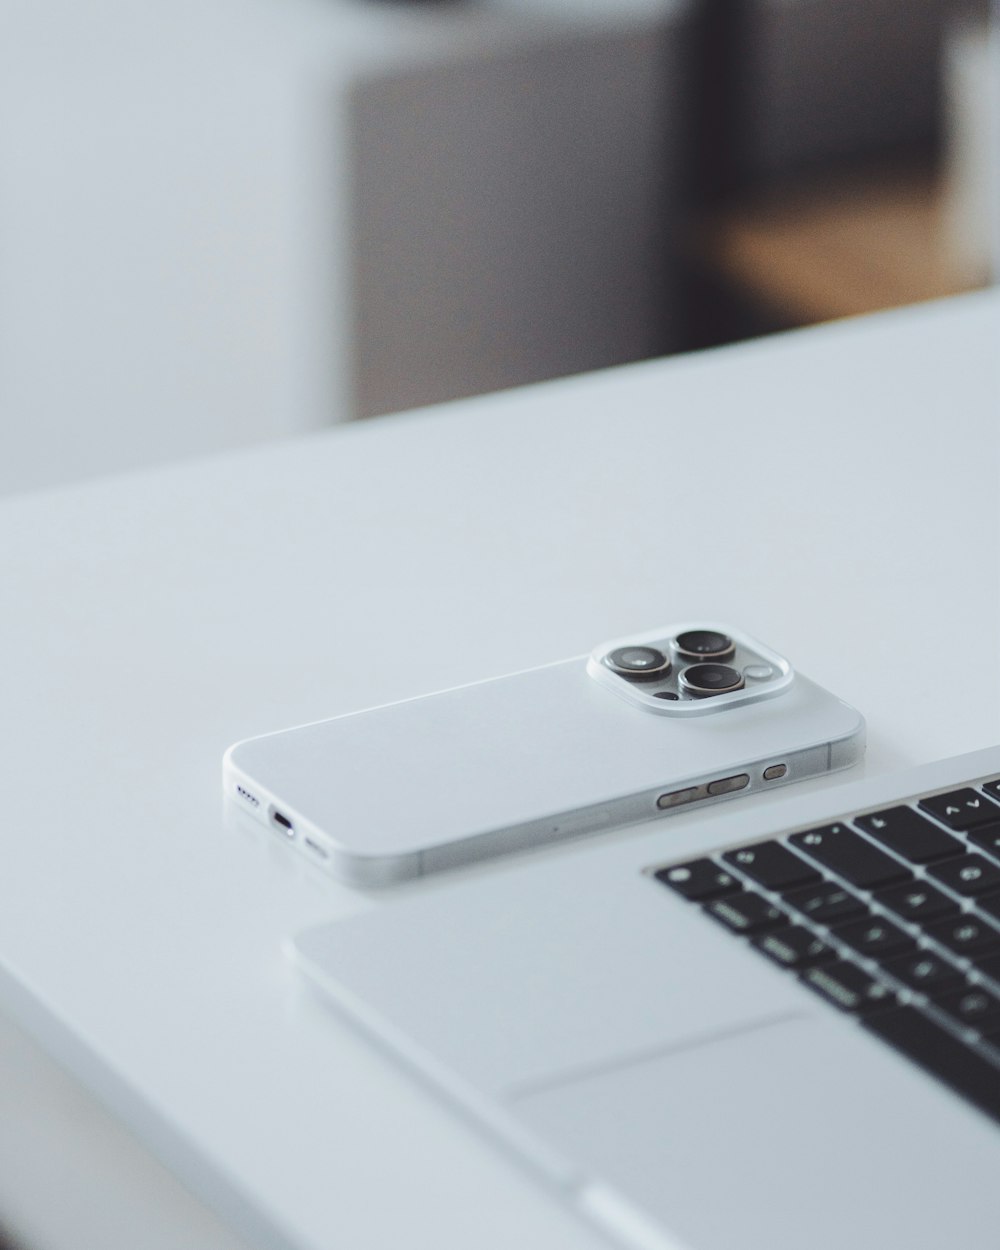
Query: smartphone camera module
[(698, 668), (639, 663), (704, 644), (704, 680)]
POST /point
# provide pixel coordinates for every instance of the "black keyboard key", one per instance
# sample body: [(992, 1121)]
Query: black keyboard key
[(992, 787), (987, 838), (969, 875), (699, 880), (972, 1006), (874, 936), (850, 855), (926, 1043), (989, 964), (826, 904), (795, 947), (989, 906), (746, 913), (965, 935), (962, 809), (916, 902), (924, 971), (848, 987), (909, 834), (773, 866)]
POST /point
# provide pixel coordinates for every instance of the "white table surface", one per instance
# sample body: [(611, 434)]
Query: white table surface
[(834, 491)]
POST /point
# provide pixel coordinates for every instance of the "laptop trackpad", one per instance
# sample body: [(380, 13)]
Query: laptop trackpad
[(516, 980), (749, 1139)]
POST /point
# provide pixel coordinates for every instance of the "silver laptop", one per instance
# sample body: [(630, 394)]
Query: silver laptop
[(774, 1029)]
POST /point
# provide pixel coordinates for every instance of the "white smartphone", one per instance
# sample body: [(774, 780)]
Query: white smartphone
[(645, 725)]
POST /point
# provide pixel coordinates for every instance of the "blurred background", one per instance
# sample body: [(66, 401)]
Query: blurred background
[(225, 221)]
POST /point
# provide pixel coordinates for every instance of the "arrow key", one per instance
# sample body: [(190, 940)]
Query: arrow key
[(962, 809), (987, 838)]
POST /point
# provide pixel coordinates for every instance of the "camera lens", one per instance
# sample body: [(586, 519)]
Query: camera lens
[(704, 644), (703, 680), (639, 663)]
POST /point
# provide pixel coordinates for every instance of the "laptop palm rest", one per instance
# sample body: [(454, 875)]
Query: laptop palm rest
[(752, 1131), (654, 1070)]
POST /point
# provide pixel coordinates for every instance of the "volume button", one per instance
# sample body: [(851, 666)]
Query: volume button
[(726, 785), (676, 797)]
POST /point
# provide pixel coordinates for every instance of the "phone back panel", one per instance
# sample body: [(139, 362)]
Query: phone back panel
[(531, 757)]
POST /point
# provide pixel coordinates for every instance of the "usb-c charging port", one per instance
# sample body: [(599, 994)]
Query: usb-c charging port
[(283, 823)]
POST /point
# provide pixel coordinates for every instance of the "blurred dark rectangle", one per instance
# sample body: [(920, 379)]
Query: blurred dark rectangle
[(514, 216), (827, 80)]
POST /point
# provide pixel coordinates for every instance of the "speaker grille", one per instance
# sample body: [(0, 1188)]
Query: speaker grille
[(247, 796)]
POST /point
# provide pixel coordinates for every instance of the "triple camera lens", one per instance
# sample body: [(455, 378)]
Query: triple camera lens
[(699, 681)]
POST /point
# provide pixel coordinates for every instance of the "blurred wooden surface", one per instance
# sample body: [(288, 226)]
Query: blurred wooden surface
[(837, 246)]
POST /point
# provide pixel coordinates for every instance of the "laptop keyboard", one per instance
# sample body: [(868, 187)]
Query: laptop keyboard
[(892, 916)]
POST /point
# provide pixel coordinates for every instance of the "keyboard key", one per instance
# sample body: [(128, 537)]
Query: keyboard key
[(989, 906), (965, 935), (916, 901), (874, 936), (969, 875), (987, 838), (909, 834), (699, 880), (989, 964), (926, 1043), (923, 970), (992, 787), (746, 913), (826, 903), (850, 856), (773, 866), (795, 947), (972, 1006), (848, 987), (962, 809)]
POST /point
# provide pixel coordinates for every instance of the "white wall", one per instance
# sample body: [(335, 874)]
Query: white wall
[(178, 215), (154, 188)]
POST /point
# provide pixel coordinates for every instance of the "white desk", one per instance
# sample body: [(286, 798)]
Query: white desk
[(834, 490)]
